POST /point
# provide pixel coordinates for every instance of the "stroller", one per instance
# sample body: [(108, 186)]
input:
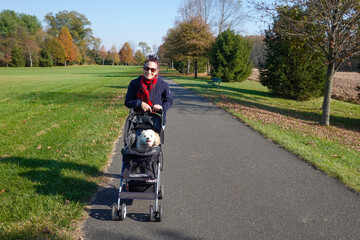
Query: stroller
[(140, 173)]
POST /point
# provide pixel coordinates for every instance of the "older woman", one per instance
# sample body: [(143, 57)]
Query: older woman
[(148, 91)]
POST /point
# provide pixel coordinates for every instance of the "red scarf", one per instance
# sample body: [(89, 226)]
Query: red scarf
[(146, 86)]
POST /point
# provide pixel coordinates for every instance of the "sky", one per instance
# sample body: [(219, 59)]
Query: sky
[(116, 21)]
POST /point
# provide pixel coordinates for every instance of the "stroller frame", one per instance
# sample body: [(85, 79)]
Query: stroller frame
[(154, 159)]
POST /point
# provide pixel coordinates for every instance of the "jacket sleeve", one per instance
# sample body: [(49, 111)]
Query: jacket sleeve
[(131, 100), (167, 98)]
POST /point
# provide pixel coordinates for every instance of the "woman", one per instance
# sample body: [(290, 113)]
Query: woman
[(149, 92)]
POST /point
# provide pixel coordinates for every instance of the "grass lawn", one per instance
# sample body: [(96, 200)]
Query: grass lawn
[(292, 124), (57, 131)]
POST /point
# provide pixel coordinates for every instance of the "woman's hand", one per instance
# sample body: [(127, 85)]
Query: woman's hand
[(145, 107), (158, 108)]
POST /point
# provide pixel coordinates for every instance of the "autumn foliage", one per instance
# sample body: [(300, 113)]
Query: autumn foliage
[(70, 49)]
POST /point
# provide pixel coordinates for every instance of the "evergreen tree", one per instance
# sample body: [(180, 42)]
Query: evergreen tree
[(291, 69), (230, 57), (45, 58), (17, 57)]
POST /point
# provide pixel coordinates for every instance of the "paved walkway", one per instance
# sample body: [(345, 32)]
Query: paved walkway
[(225, 181)]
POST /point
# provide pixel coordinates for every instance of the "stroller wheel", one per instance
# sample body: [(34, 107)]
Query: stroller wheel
[(151, 213), (161, 160), (161, 192), (114, 212), (123, 211), (159, 214)]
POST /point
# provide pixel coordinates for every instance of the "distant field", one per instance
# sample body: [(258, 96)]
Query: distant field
[(57, 130), (344, 85)]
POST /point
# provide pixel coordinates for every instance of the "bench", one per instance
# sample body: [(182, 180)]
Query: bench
[(215, 81)]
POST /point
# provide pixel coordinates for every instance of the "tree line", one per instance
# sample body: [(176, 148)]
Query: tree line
[(306, 43), (205, 38), (67, 39)]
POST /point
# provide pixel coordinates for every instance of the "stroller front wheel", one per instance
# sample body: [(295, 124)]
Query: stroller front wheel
[(114, 212), (123, 211), (151, 213)]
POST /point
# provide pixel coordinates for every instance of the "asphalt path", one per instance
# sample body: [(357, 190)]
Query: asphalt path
[(222, 180)]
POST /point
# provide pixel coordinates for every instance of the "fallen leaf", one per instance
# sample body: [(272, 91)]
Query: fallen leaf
[(46, 230), (2, 191), (38, 147)]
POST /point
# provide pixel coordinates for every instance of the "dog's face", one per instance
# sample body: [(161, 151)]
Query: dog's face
[(148, 138)]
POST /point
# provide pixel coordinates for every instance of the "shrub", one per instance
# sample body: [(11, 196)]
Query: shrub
[(291, 70), (230, 57), (17, 57)]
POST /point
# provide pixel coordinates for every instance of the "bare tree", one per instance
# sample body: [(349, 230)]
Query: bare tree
[(219, 14), (331, 26), (229, 14), (197, 8)]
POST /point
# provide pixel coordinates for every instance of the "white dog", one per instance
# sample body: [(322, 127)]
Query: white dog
[(147, 140)]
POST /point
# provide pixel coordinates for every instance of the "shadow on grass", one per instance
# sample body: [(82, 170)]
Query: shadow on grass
[(71, 97), (120, 74), (338, 121), (50, 177)]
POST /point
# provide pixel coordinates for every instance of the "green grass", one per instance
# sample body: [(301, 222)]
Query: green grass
[(57, 130), (327, 148)]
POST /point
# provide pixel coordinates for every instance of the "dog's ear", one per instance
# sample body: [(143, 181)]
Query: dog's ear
[(157, 140)]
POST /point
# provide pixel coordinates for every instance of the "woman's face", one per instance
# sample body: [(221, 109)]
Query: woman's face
[(150, 70)]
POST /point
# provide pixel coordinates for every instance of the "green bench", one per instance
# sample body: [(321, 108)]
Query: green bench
[(215, 81)]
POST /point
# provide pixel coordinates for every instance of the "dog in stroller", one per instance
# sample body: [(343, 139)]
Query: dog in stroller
[(141, 167)]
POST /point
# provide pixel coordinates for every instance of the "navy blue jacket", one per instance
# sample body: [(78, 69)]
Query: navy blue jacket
[(162, 95)]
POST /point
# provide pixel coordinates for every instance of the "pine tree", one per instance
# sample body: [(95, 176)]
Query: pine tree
[(291, 69), (230, 57), (45, 58), (17, 57)]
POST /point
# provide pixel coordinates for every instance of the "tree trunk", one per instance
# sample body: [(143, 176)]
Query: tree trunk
[(195, 68), (65, 63), (325, 120), (208, 67), (30, 58), (188, 67)]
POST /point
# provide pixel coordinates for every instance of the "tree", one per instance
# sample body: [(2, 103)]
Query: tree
[(31, 50), (103, 53), (75, 22), (10, 21), (291, 69), (113, 55), (332, 28), (17, 57), (45, 58), (190, 39), (126, 54), (230, 57), (57, 50), (66, 39), (139, 58), (218, 14), (144, 48), (257, 55), (6, 58)]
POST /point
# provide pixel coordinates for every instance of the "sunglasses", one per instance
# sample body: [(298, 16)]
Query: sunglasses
[(146, 69)]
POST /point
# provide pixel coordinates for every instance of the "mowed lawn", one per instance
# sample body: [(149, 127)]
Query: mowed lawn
[(294, 125), (57, 131)]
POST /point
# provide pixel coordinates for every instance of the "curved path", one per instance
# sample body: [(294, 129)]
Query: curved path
[(222, 180)]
